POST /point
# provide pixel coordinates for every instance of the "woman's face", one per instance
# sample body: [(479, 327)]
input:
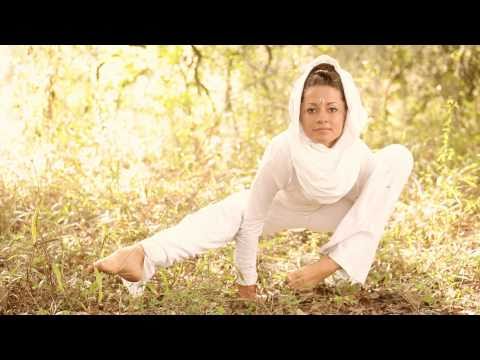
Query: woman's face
[(322, 114)]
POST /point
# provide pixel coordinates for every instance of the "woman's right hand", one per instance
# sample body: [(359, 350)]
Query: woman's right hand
[(247, 292)]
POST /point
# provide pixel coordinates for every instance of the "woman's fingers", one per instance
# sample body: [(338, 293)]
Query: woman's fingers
[(293, 278), (298, 280), (91, 268), (295, 284)]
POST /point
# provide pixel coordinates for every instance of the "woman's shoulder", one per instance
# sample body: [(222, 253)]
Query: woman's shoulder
[(279, 159), (279, 144)]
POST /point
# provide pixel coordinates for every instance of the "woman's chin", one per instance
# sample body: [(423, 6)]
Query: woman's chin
[(322, 140)]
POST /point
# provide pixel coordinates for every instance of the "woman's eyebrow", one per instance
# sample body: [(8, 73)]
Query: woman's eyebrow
[(316, 104)]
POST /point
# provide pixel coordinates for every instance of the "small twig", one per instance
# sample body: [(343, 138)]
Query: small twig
[(199, 57), (97, 72), (270, 57), (39, 243)]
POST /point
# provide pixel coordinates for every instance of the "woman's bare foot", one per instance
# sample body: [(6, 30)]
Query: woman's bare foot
[(126, 262), (310, 275)]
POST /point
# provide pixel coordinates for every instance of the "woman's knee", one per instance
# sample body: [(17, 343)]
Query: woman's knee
[(231, 209), (237, 201), (398, 156)]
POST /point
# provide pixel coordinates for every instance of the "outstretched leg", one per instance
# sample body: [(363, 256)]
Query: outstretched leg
[(210, 227)]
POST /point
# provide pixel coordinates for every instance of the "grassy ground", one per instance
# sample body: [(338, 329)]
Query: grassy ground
[(51, 229)]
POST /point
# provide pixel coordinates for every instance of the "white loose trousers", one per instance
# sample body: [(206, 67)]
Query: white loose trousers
[(357, 221)]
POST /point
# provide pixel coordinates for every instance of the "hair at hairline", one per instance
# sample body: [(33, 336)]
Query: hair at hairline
[(324, 75)]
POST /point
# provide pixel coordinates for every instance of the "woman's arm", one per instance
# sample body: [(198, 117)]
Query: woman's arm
[(272, 175)]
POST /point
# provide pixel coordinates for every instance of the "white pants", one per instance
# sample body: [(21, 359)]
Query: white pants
[(357, 220)]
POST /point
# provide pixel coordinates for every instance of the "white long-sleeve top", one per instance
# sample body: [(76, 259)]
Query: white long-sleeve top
[(274, 175)]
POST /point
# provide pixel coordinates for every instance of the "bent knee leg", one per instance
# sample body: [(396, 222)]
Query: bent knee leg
[(218, 220), (398, 156)]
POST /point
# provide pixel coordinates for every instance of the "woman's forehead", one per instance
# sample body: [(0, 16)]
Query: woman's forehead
[(323, 91), (322, 98)]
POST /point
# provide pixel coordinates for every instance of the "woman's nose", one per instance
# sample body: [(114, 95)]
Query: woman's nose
[(321, 119)]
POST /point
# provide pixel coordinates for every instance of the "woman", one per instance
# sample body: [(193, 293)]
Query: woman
[(318, 175)]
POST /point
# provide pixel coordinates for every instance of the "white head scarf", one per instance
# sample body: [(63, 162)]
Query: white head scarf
[(328, 174)]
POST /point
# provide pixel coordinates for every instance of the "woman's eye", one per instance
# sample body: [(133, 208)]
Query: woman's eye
[(310, 111), (332, 109)]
